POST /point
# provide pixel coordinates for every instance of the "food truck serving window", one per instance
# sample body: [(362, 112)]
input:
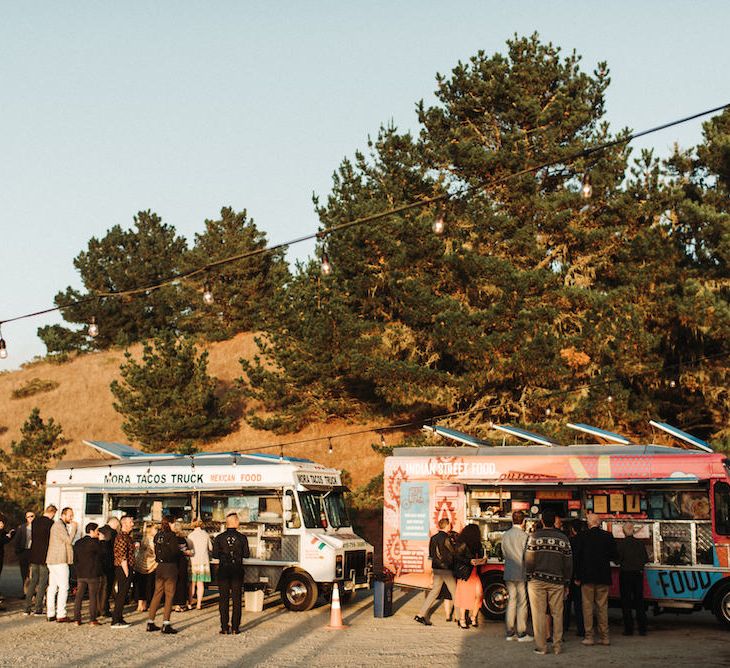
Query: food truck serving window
[(722, 508), (331, 503)]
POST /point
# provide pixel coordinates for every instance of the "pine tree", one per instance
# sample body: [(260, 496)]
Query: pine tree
[(123, 260), (26, 462), (168, 399), (242, 291)]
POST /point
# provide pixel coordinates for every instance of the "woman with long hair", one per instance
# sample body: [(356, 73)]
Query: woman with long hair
[(469, 593), (145, 564), (200, 546)]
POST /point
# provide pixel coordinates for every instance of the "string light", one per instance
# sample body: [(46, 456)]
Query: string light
[(93, 328), (326, 266), (235, 458), (421, 203), (208, 298), (609, 399), (439, 225), (330, 450), (382, 439), (672, 383), (586, 189), (3, 348), (548, 412)]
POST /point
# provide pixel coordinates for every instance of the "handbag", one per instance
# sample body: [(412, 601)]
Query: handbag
[(463, 570)]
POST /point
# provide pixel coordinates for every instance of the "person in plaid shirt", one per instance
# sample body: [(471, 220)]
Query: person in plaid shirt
[(123, 570)]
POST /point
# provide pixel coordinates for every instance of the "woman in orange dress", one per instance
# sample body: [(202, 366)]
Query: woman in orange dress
[(469, 555)]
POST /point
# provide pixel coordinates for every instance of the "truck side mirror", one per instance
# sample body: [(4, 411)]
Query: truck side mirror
[(287, 516), (287, 503)]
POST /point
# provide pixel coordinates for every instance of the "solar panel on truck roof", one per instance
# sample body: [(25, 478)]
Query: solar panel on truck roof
[(682, 435), (601, 434)]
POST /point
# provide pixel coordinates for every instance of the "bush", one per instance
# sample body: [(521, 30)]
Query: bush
[(34, 386)]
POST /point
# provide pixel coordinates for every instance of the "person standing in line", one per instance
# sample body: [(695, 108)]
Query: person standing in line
[(549, 567), (22, 542), (441, 553), (469, 554), (596, 551), (88, 558), (632, 558), (200, 545), (58, 559), (108, 534), (5, 538), (514, 542), (180, 600), (145, 565), (123, 570), (38, 583), (574, 600), (230, 548), (167, 553)]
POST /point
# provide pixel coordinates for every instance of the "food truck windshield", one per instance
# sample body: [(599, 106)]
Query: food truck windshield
[(332, 504)]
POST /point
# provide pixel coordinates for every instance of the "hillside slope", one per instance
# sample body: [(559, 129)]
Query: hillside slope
[(82, 404)]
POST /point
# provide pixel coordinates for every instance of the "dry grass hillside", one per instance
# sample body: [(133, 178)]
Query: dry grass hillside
[(82, 403)]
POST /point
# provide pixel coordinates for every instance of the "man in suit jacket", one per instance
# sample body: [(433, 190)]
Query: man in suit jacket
[(60, 555), (41, 533), (21, 543)]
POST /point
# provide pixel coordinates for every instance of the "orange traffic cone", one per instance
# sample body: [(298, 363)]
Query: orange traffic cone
[(336, 611)]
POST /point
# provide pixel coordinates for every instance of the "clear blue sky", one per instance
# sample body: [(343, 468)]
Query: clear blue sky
[(184, 107)]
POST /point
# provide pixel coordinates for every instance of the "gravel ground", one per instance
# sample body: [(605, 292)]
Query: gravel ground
[(276, 637)]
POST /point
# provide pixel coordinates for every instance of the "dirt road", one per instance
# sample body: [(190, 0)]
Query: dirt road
[(279, 638)]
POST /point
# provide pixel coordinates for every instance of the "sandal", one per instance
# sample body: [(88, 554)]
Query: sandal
[(463, 624)]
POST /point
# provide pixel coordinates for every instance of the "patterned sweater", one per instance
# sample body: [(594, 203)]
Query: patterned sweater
[(548, 557)]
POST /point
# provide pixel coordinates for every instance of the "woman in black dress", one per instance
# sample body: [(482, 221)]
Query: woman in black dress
[(180, 601)]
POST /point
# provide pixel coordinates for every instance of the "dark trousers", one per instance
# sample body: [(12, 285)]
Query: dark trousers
[(574, 601), (92, 584), (102, 595), (24, 563), (37, 585), (164, 584), (632, 596), (124, 582), (230, 588)]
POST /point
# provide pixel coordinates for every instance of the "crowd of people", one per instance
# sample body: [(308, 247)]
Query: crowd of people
[(551, 574), (109, 567)]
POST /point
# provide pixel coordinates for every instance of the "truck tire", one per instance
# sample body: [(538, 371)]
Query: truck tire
[(721, 604), (298, 591), (494, 601)]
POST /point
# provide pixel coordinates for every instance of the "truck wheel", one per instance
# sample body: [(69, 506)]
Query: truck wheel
[(298, 591), (721, 604), (494, 601)]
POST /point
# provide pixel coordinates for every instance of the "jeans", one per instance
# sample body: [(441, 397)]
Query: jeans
[(37, 585), (440, 577), (230, 588), (57, 587), (93, 586), (516, 617), (595, 596), (124, 582), (542, 595), (632, 596)]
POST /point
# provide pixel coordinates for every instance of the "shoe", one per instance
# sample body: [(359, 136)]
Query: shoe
[(27, 613), (475, 624), (236, 632), (539, 651), (225, 632), (525, 638), (151, 626), (423, 620), (51, 619), (463, 625), (512, 637), (587, 642), (93, 622), (39, 613), (167, 628), (606, 641), (121, 625), (78, 623), (63, 620), (450, 618)]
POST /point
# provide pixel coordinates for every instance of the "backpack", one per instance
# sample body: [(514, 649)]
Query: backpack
[(167, 550), (231, 551)]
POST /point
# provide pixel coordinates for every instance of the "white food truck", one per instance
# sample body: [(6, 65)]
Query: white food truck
[(292, 510)]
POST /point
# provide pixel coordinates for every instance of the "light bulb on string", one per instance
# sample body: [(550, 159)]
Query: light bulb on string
[(672, 383), (382, 439), (330, 449), (281, 454), (208, 298), (439, 225), (93, 327), (3, 349), (548, 412), (586, 189), (609, 399), (326, 265)]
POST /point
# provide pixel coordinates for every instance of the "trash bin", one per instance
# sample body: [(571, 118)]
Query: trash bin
[(383, 594)]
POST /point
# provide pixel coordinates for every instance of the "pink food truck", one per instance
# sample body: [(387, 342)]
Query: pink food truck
[(677, 496)]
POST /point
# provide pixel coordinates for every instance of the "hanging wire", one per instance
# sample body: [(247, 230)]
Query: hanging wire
[(420, 203)]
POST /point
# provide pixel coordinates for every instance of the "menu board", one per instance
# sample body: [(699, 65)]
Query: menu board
[(414, 511)]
